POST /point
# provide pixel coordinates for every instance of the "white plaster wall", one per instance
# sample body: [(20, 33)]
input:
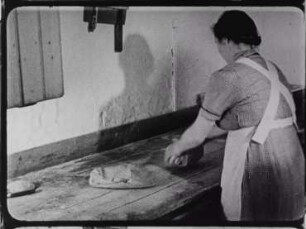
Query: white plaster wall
[(102, 88), (146, 64), (196, 55), (283, 35), (105, 89)]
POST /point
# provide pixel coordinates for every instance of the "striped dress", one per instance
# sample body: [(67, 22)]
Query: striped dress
[(273, 181)]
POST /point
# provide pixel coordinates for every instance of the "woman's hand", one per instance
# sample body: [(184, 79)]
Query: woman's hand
[(191, 138), (173, 155)]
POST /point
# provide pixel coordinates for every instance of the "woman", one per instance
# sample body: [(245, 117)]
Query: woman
[(263, 167)]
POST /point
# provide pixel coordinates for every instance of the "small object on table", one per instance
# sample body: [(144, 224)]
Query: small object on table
[(20, 188), (124, 176)]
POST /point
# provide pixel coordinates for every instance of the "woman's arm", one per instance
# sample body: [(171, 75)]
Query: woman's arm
[(196, 133), (191, 138)]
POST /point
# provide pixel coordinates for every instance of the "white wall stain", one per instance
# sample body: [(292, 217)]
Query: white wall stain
[(173, 67)]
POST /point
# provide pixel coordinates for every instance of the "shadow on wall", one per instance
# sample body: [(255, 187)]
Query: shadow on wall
[(137, 63)]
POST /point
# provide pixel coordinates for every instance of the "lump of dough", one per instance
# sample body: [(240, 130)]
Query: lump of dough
[(19, 186), (128, 174)]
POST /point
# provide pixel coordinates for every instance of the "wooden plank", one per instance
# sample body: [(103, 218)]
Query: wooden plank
[(66, 194), (52, 154), (60, 187), (14, 92), (116, 206), (178, 195), (165, 201), (71, 182), (71, 179), (174, 191), (52, 55), (92, 209), (30, 55), (51, 201)]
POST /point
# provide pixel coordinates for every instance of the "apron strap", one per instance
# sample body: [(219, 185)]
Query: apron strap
[(237, 142), (285, 92), (267, 122), (283, 89)]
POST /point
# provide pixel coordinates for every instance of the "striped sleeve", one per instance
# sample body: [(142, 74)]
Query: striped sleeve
[(220, 95)]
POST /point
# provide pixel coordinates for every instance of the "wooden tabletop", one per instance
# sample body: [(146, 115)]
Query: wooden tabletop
[(64, 192)]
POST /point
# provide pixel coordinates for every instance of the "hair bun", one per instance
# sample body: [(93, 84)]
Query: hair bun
[(257, 40), (237, 26)]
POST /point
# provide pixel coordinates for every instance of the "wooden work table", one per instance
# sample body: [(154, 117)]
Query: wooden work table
[(64, 192)]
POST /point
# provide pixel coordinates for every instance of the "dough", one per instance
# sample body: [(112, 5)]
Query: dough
[(19, 186), (122, 176)]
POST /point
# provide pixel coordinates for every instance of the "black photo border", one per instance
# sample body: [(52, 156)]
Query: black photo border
[(7, 221)]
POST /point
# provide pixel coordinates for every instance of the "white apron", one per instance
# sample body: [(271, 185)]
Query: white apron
[(237, 142)]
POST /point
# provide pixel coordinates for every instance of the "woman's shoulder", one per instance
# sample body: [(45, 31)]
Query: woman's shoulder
[(229, 73), (238, 75)]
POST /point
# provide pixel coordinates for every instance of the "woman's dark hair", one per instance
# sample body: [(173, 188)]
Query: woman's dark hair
[(237, 26)]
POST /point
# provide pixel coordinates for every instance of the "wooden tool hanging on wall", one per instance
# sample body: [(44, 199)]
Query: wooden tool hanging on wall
[(107, 15)]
